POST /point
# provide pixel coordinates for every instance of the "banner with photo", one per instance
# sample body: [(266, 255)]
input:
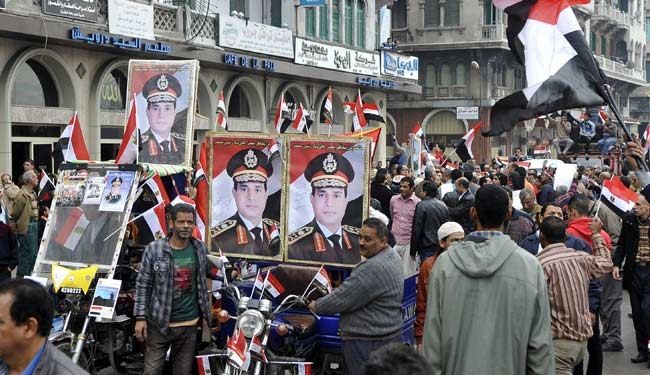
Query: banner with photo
[(327, 199), (165, 93), (245, 195)]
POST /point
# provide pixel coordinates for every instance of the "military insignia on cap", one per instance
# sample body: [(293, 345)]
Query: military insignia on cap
[(250, 160), (329, 164), (162, 83)]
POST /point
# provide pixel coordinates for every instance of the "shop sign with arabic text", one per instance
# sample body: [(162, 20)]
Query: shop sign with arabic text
[(336, 58), (398, 65), (255, 37), (85, 10)]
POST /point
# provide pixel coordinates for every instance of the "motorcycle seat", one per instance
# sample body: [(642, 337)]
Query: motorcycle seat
[(302, 323)]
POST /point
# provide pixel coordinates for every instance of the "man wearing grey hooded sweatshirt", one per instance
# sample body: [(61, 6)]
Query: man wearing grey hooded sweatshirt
[(487, 309)]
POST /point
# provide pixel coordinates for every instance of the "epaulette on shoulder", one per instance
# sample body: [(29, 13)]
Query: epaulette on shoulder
[(144, 137), (222, 227), (350, 229), (300, 234), (178, 135), (271, 222)]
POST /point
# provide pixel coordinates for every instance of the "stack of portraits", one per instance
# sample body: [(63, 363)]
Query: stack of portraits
[(164, 91), (302, 204)]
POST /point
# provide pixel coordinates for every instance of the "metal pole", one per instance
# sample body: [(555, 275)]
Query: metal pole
[(81, 339)]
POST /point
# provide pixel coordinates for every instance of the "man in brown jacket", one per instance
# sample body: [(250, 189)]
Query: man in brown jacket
[(25, 214)]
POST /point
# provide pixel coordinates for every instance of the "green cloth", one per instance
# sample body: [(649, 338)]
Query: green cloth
[(185, 304)]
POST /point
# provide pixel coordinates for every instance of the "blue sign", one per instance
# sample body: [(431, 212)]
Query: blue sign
[(376, 82), (135, 43), (249, 62), (312, 3), (399, 65)]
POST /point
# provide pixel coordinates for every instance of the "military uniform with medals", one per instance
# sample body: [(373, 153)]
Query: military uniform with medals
[(233, 235), (309, 242), (162, 88)]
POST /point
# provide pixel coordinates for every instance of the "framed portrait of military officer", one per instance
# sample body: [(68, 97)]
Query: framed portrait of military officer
[(327, 199), (165, 97), (246, 194)]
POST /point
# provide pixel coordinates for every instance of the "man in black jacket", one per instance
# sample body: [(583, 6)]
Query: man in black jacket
[(429, 215), (459, 210), (381, 192), (634, 248)]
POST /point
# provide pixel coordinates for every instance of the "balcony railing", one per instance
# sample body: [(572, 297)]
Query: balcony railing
[(610, 66), (606, 10), (493, 32), (402, 35)]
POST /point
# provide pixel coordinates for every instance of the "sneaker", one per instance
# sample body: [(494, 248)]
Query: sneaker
[(612, 347)]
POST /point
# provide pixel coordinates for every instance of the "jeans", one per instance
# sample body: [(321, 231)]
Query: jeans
[(357, 352), (568, 142), (605, 143), (568, 353), (27, 249), (182, 341)]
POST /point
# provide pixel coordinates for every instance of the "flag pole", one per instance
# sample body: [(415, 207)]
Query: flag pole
[(311, 282), (130, 221), (253, 291), (610, 100), (137, 130)]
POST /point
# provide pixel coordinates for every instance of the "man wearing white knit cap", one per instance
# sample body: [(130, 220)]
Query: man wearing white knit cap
[(448, 233)]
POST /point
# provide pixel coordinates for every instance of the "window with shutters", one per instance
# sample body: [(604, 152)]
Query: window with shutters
[(349, 22), (452, 13), (361, 24), (489, 13), (460, 77), (336, 21), (324, 32), (445, 75), (429, 79), (276, 13), (398, 15), (432, 13), (310, 21)]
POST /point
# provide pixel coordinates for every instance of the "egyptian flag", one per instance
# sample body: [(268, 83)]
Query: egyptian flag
[(155, 187), (371, 112), (359, 118), (221, 112), (617, 197), (304, 368), (328, 114), (236, 349), (128, 152), (561, 71), (74, 227), (417, 130), (322, 281), (282, 119), (464, 146), (274, 286), (302, 122), (349, 108), (272, 151), (152, 223), (602, 115), (71, 142), (202, 188), (45, 187)]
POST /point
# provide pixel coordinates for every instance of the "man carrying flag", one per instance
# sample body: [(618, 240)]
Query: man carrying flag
[(561, 71)]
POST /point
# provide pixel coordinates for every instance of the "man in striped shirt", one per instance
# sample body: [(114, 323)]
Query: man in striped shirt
[(567, 274)]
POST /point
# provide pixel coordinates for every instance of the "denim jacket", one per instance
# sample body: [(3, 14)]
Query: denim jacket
[(155, 283)]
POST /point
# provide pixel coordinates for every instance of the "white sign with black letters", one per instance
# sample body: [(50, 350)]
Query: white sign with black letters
[(255, 37), (336, 58), (131, 19)]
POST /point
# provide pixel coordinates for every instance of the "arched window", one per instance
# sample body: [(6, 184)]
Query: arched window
[(324, 31), (34, 86), (461, 79), (452, 13), (239, 105), (349, 22), (113, 91), (432, 13), (445, 75), (361, 23)]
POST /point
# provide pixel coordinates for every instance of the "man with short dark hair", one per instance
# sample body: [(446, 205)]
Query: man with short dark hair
[(396, 359), (520, 224), (171, 295), (381, 192), (402, 210), (429, 215), (369, 300), (26, 310), (567, 274), (485, 292), (459, 209)]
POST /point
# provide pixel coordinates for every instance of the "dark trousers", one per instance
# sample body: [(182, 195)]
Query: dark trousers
[(27, 249), (610, 309), (424, 254), (595, 350), (182, 341), (5, 273), (357, 352), (639, 289)]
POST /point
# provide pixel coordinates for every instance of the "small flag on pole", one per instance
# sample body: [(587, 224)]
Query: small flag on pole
[(417, 130), (221, 112), (71, 142), (129, 148)]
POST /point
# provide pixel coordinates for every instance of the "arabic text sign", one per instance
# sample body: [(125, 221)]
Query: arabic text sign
[(467, 113), (79, 9), (312, 3), (255, 37), (130, 19), (336, 58), (135, 43), (398, 65)]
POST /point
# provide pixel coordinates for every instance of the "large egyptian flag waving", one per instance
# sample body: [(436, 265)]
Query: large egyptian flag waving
[(561, 71), (464, 146)]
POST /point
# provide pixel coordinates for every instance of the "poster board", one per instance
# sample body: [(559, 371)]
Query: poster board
[(327, 181), (246, 176), (165, 95), (77, 235)]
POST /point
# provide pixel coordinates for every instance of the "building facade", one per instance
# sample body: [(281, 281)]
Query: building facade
[(60, 57), (465, 62)]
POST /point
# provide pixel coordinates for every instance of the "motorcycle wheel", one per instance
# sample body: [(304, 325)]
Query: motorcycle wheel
[(85, 362)]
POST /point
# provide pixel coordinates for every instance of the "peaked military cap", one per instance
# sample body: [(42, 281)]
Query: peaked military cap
[(162, 88), (329, 170), (249, 165)]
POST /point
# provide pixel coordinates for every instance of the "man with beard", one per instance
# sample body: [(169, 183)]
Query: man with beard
[(247, 232)]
